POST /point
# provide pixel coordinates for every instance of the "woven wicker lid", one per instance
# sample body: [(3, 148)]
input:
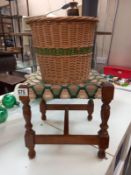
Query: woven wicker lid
[(61, 19)]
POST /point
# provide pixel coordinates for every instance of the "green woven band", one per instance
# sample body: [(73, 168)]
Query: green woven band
[(62, 51)]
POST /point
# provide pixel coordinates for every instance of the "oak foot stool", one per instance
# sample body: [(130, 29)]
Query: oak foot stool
[(96, 87)]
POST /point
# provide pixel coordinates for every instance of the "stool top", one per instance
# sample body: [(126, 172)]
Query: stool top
[(89, 89)]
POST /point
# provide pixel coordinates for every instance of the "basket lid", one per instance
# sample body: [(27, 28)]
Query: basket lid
[(61, 19)]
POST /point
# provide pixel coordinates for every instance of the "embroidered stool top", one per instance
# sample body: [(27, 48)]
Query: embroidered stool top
[(90, 89)]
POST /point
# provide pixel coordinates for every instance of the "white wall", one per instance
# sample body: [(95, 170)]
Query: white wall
[(121, 45), (41, 7), (106, 13)]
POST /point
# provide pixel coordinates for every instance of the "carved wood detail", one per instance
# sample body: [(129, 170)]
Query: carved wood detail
[(29, 133), (107, 96)]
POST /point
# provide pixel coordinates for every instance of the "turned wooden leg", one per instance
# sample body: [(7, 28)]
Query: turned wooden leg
[(90, 109), (29, 134), (107, 96), (66, 122), (43, 109)]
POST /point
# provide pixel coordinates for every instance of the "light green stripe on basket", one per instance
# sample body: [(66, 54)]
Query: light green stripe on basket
[(63, 51)]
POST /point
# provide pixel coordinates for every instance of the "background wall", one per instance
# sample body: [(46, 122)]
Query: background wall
[(3, 3), (106, 14), (41, 7), (121, 45)]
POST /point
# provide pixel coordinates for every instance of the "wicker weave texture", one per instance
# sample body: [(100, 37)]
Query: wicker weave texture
[(69, 70), (63, 33)]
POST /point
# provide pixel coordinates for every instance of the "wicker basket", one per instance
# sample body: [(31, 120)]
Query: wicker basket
[(63, 47)]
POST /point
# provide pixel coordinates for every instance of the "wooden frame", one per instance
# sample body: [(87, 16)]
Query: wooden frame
[(101, 139)]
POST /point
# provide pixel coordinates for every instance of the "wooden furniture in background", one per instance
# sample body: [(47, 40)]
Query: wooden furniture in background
[(7, 62), (8, 82), (10, 23), (11, 34)]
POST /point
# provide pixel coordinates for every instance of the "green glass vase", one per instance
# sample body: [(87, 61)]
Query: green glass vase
[(3, 114), (9, 101)]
